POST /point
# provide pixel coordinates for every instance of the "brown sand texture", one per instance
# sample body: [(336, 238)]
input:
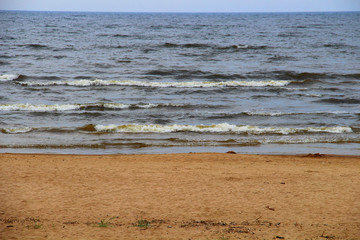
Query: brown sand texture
[(179, 196)]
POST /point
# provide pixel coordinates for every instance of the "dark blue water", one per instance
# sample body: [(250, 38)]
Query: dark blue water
[(154, 83)]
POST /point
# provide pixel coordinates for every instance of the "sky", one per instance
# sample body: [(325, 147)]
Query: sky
[(183, 5)]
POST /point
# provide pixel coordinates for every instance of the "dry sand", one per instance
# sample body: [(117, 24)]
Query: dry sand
[(179, 196)]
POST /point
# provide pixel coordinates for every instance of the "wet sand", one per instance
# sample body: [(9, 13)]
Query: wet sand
[(179, 196)]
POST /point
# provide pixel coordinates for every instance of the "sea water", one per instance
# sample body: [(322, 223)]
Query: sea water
[(98, 83)]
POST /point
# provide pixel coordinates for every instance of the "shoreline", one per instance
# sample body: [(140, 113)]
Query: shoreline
[(316, 155), (179, 196), (263, 149)]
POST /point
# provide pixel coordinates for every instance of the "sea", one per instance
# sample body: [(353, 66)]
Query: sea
[(140, 83)]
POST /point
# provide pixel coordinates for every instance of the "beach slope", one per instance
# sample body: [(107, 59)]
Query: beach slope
[(179, 196)]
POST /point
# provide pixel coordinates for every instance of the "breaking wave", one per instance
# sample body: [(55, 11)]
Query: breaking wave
[(192, 84), (87, 107), (16, 130), (9, 77), (118, 106), (222, 128), (215, 128)]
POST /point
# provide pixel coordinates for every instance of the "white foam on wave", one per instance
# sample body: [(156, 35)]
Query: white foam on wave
[(192, 84), (123, 106), (242, 46), (275, 114), (16, 130), (73, 107), (8, 77), (216, 128), (39, 107)]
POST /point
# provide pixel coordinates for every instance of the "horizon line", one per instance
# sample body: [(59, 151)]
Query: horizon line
[(86, 11)]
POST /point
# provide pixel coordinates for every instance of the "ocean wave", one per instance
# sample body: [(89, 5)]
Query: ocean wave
[(339, 46), (192, 84), (292, 75), (242, 47), (279, 58), (16, 130), (352, 75), (300, 75), (222, 128), (178, 142), (191, 74), (39, 107), (215, 128), (213, 46), (254, 142), (172, 72), (120, 35), (117, 106), (102, 145), (340, 100), (276, 114), (312, 140), (36, 46), (87, 107), (186, 45), (9, 77)]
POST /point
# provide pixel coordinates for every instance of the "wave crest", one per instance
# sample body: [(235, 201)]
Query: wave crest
[(192, 84), (9, 77), (16, 130), (216, 128), (88, 106)]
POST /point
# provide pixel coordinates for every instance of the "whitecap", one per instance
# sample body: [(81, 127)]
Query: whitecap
[(16, 130), (242, 46), (275, 114), (39, 107), (9, 77), (216, 128), (73, 107), (191, 84)]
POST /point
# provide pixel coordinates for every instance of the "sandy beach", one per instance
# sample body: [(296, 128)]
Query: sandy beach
[(179, 196)]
